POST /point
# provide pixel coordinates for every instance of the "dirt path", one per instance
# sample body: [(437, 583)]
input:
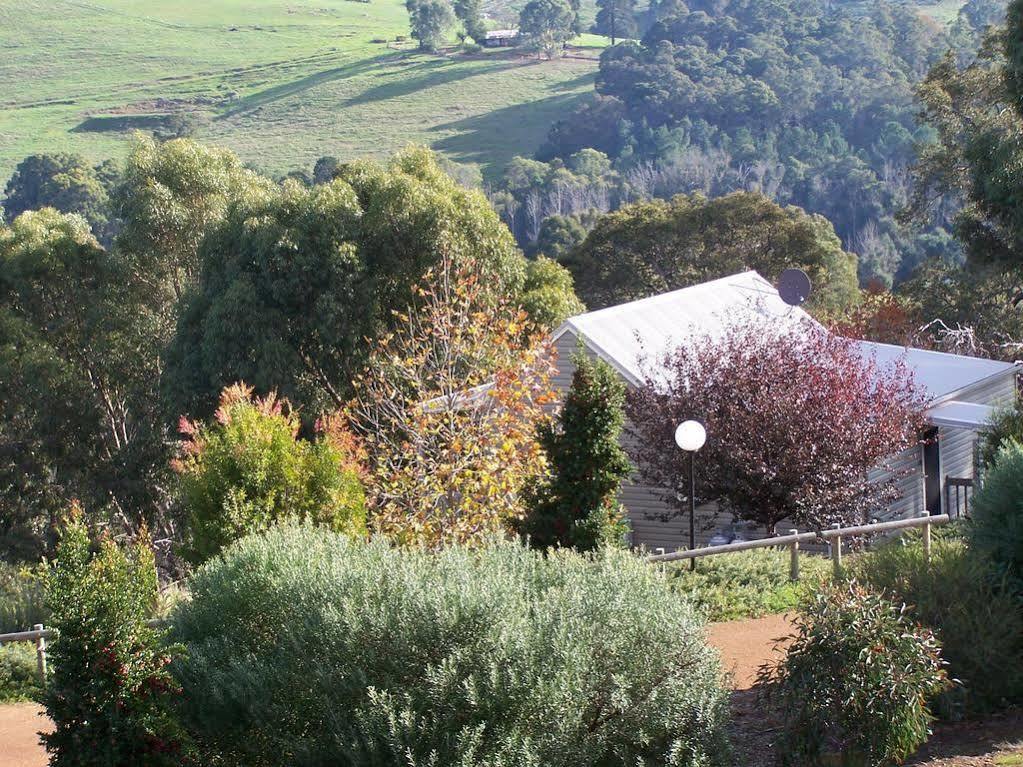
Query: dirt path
[(746, 645), (19, 741)]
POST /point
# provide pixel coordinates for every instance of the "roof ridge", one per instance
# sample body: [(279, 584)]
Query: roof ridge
[(670, 294)]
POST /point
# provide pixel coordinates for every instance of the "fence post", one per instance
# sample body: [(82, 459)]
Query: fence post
[(40, 653), (836, 550), (794, 558), (927, 537)]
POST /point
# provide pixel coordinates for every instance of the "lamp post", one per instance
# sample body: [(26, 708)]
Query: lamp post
[(690, 436)]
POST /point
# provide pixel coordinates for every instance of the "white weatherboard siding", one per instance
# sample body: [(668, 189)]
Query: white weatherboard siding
[(632, 335), (655, 523)]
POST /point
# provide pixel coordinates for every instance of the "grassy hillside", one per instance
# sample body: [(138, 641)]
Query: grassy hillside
[(280, 82)]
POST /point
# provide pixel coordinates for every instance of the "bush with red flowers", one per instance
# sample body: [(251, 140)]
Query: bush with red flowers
[(110, 695)]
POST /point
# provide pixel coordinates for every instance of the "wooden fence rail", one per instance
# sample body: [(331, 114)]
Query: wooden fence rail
[(832, 536), (39, 636)]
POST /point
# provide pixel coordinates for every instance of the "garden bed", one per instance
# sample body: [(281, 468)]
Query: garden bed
[(744, 645)]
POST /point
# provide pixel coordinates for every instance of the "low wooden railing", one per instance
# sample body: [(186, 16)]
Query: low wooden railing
[(963, 489), (39, 635), (832, 536)]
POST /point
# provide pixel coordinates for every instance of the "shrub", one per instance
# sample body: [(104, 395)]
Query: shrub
[(979, 626), (306, 648), (471, 48), (248, 469), (578, 505), (21, 599), (747, 584), (997, 529), (855, 679), (109, 694), (19, 677), (1005, 426)]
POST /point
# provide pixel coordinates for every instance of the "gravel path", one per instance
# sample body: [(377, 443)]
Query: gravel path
[(744, 647), (20, 724)]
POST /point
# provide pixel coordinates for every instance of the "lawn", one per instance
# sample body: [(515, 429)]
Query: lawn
[(281, 83), (747, 584)]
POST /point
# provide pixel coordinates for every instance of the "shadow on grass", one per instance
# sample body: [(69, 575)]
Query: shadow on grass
[(426, 75), (492, 139), (284, 90), (575, 83)]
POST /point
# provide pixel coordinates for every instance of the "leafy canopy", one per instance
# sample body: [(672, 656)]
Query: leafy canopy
[(546, 25), (78, 373), (171, 195), (294, 282), (796, 419), (654, 247), (67, 183)]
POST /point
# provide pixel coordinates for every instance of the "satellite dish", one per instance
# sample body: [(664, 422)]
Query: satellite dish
[(794, 287)]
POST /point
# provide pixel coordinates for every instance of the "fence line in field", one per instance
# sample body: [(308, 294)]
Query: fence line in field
[(832, 536)]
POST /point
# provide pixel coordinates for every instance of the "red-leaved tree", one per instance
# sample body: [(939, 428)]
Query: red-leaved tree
[(796, 419)]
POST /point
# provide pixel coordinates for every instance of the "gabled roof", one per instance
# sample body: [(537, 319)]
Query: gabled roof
[(628, 334)]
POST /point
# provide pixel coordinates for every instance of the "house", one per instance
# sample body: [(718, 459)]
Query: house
[(961, 392), (501, 38)]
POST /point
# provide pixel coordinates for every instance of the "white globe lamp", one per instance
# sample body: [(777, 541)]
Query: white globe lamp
[(690, 436)]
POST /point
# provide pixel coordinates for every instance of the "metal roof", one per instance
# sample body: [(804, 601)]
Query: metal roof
[(629, 334), (633, 336), (939, 374), (961, 415)]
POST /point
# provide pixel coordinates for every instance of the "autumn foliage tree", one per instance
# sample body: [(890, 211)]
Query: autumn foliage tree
[(796, 419), (448, 409), (249, 468)]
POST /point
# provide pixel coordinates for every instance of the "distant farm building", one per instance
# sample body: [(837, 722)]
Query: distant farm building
[(501, 38)]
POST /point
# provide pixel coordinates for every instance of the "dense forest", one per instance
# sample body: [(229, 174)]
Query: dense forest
[(809, 102)]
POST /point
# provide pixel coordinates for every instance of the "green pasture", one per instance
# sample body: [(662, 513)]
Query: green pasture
[(280, 82)]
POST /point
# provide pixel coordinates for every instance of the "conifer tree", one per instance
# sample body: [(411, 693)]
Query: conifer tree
[(615, 19), (578, 505)]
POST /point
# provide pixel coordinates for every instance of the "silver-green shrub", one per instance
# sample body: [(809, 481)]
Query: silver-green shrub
[(305, 648)]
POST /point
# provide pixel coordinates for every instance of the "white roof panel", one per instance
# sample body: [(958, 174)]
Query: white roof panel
[(961, 415), (628, 334), (938, 373)]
